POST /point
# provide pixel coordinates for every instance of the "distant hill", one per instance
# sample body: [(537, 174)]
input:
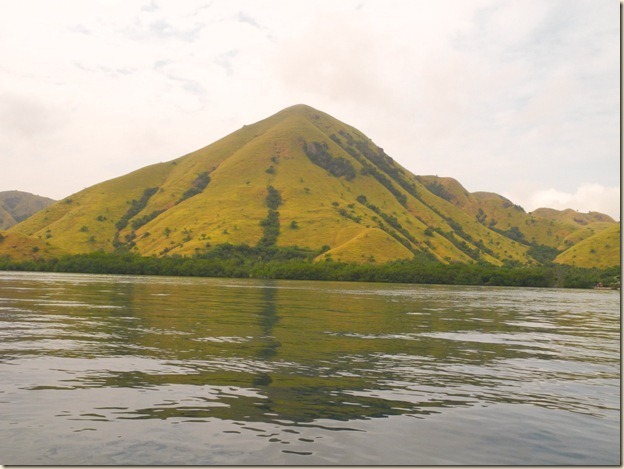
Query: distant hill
[(302, 178), (16, 206), (599, 250), (559, 229)]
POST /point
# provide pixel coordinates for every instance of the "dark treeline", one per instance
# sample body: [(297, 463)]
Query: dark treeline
[(294, 263)]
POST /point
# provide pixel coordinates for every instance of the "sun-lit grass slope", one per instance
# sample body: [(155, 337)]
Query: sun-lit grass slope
[(559, 229), (85, 221), (600, 250), (297, 178), (23, 248), (16, 206), (318, 209), (572, 216), (368, 246)]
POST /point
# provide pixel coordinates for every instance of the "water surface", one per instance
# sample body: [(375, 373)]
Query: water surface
[(156, 370)]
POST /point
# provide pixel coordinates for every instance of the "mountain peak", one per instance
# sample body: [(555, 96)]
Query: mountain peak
[(299, 108), (299, 178)]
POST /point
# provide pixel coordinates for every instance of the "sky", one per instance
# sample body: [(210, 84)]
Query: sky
[(517, 97)]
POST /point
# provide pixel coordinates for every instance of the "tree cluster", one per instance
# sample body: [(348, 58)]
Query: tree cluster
[(319, 154), (273, 262)]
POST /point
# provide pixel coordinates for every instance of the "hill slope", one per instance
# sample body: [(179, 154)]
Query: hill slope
[(19, 247), (559, 229), (298, 178), (16, 206), (599, 250)]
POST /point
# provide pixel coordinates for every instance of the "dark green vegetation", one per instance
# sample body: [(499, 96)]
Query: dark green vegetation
[(135, 207), (271, 224), (199, 184), (266, 261), (320, 156)]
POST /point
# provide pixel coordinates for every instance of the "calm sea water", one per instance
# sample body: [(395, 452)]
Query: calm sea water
[(154, 370)]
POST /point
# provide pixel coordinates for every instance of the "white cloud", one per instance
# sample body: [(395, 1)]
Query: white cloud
[(24, 117), (492, 93), (587, 197)]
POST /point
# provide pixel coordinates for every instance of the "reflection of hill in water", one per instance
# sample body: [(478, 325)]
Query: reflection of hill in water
[(300, 352)]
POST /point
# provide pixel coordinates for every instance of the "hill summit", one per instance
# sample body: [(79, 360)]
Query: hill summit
[(16, 206), (303, 178)]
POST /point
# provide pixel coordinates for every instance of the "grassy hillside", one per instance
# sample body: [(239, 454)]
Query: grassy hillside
[(559, 229), (16, 206), (298, 178), (600, 250), (25, 248), (556, 228), (6, 219)]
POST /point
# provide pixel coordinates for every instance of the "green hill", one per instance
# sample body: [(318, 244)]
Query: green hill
[(558, 229), (298, 178), (599, 250), (16, 206)]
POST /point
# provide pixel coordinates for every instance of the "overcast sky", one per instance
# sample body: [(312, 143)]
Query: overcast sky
[(517, 97)]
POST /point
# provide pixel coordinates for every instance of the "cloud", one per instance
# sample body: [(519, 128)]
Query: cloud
[(225, 60), (343, 69), (152, 6), (587, 197), (245, 18), (26, 117), (500, 95)]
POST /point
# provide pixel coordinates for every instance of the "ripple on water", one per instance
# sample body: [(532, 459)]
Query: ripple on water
[(218, 371)]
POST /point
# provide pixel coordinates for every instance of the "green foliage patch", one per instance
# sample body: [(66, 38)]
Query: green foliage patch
[(273, 198), (319, 154), (199, 184), (543, 254), (438, 189), (135, 207), (273, 262), (271, 224)]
